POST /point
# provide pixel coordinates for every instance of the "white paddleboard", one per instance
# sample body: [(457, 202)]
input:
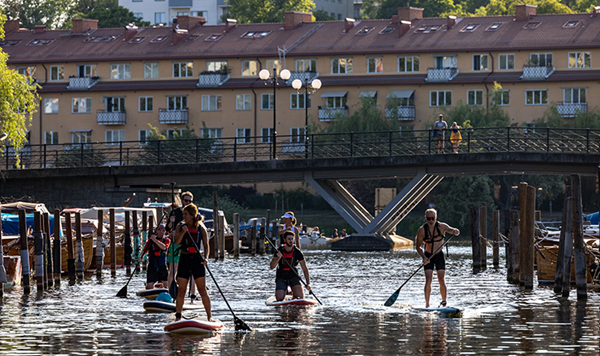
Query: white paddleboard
[(289, 301), (194, 326)]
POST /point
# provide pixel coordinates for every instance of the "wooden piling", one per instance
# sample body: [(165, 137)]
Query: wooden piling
[(216, 224), (253, 237), (113, 244), (264, 227), (270, 228), (236, 235), (99, 247), (221, 235), (144, 238), (515, 242), (484, 235), (127, 243), (79, 255), (49, 275), (56, 248), (496, 238), (38, 250), (136, 237), (538, 215), (578, 244), (522, 228), (70, 252), (24, 252), (561, 257), (529, 236), (506, 231), (475, 239)]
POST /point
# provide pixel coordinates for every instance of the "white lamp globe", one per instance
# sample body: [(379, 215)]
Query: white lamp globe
[(263, 74), (297, 84), (316, 84), (285, 74)]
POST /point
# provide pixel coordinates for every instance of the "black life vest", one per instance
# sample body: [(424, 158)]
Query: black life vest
[(430, 239), (283, 268), (157, 256)]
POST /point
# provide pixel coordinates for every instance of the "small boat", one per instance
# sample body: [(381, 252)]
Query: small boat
[(194, 326), (151, 293), (449, 312), (289, 301), (157, 306)]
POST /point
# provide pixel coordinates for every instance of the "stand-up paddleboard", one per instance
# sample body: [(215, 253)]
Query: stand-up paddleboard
[(445, 311), (289, 301), (151, 293), (194, 326), (157, 306)]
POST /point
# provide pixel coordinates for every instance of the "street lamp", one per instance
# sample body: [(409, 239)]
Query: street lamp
[(266, 76), (308, 88)]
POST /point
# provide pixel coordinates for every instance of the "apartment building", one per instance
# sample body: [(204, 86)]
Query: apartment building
[(109, 85), (163, 11), (340, 9)]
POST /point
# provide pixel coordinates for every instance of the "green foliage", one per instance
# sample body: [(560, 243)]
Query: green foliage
[(432, 8), (51, 13), (507, 7), (552, 118), (322, 15), (263, 11), (80, 156), (114, 17), (180, 147), (366, 117), (225, 203), (476, 116)]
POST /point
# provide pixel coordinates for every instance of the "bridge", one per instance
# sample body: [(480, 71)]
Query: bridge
[(323, 160)]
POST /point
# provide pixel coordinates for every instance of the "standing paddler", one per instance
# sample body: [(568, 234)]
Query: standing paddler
[(286, 259)]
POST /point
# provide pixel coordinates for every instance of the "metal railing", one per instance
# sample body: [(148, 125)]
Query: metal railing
[(111, 118), (318, 146), (173, 116), (533, 72), (82, 83), (211, 80), (571, 109), (441, 74), (404, 113), (329, 114)]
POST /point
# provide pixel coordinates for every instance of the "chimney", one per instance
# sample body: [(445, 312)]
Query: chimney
[(11, 26), (130, 31), (189, 22), (394, 19), (175, 25), (231, 24), (179, 35), (39, 28), (524, 12), (410, 13), (84, 25), (295, 18), (596, 11), (348, 24), (404, 28), (451, 22)]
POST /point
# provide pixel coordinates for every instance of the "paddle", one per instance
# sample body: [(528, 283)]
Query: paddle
[(392, 299), (173, 286), (239, 323), (123, 292), (296, 273)]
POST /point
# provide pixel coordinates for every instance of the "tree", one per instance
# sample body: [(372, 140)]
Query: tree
[(18, 100), (468, 116), (52, 13), (322, 15), (113, 17), (262, 11), (431, 8), (366, 117)]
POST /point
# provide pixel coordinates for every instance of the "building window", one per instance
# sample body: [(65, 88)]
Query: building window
[(297, 101), (273, 65), (113, 137), (540, 59), (143, 136), (183, 69), (266, 133), (306, 65), (211, 102), (249, 68), (145, 104), (150, 70), (580, 59), (81, 137), (174, 134), (86, 70), (243, 135), (298, 134), (480, 62), (506, 62), (375, 65), (408, 64), (216, 66), (336, 102), (444, 62), (114, 103), (51, 106), (440, 98), (211, 132), (176, 103), (29, 72), (536, 97), (198, 13), (51, 137), (575, 95), (242, 102), (267, 102), (120, 71), (139, 16), (57, 73), (502, 98), (475, 97), (182, 13), (81, 105), (160, 17), (341, 66)]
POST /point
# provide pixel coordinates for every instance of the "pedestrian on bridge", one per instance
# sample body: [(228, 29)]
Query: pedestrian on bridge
[(439, 129), (431, 234), (455, 136)]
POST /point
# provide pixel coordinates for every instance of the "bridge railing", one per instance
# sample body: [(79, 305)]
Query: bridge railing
[(326, 145)]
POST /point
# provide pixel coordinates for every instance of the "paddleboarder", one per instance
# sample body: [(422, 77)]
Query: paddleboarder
[(285, 275), (431, 234), (156, 247)]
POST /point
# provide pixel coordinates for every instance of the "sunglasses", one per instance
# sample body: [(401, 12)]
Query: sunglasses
[(430, 218), (187, 200)]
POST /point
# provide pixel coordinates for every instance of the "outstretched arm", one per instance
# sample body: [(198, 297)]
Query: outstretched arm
[(445, 228)]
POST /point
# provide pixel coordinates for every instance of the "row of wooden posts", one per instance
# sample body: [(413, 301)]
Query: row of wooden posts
[(520, 244)]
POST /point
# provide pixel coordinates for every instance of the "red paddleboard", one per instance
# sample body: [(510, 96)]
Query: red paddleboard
[(194, 326), (289, 301)]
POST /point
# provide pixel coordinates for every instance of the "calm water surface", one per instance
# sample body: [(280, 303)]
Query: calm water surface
[(499, 318)]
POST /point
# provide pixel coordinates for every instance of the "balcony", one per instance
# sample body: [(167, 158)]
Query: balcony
[(83, 83), (302, 76), (435, 75), (571, 109), (172, 116), (329, 114), (531, 72), (211, 80), (111, 118), (294, 148), (403, 113), (180, 3)]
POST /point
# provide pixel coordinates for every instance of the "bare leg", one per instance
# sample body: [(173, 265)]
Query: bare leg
[(201, 284), (280, 294), (182, 283), (192, 289), (428, 279), (441, 275), (298, 292), (149, 285)]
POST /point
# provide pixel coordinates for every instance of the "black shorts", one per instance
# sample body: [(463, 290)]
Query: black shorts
[(438, 261), (157, 274), (283, 283), (190, 265)]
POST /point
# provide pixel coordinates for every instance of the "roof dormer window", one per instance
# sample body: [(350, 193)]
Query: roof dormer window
[(469, 28), (158, 39), (388, 29), (532, 25), (213, 38), (571, 24)]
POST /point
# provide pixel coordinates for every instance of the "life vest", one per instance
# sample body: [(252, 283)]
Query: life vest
[(431, 239), (187, 243), (283, 269), (158, 257)]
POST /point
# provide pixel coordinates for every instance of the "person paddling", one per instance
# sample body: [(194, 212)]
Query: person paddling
[(432, 235), (156, 247), (285, 275), (191, 234)]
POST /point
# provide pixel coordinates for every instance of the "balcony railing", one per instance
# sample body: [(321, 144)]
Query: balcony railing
[(405, 113), (531, 72), (571, 109), (329, 114), (441, 75), (111, 118), (294, 148), (211, 80), (172, 116), (302, 76), (83, 83)]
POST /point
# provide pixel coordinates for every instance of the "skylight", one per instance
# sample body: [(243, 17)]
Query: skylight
[(101, 38), (531, 25), (255, 34), (494, 26), (428, 28), (387, 30), (9, 43), (37, 42), (469, 28), (571, 24), (158, 39), (213, 38), (364, 30), (137, 39)]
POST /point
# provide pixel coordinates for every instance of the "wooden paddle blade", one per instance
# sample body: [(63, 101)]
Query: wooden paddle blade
[(123, 292), (240, 325), (392, 299)]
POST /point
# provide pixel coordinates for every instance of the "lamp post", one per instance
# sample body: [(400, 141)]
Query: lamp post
[(309, 88), (266, 76)]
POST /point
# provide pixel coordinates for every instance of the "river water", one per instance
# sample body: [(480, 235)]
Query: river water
[(499, 318)]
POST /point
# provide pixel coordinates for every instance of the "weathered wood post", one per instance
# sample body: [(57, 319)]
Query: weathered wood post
[(144, 238), (263, 231), (3, 278), (475, 239), (564, 257), (127, 243), (99, 245), (523, 229), (529, 239), (236, 235), (515, 242), (579, 245), (113, 244), (24, 252), (216, 224), (38, 248), (49, 275), (136, 237), (253, 237), (79, 255), (221, 236), (495, 238), (276, 238), (538, 215), (507, 245), (484, 235), (70, 253), (270, 229), (56, 248)]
